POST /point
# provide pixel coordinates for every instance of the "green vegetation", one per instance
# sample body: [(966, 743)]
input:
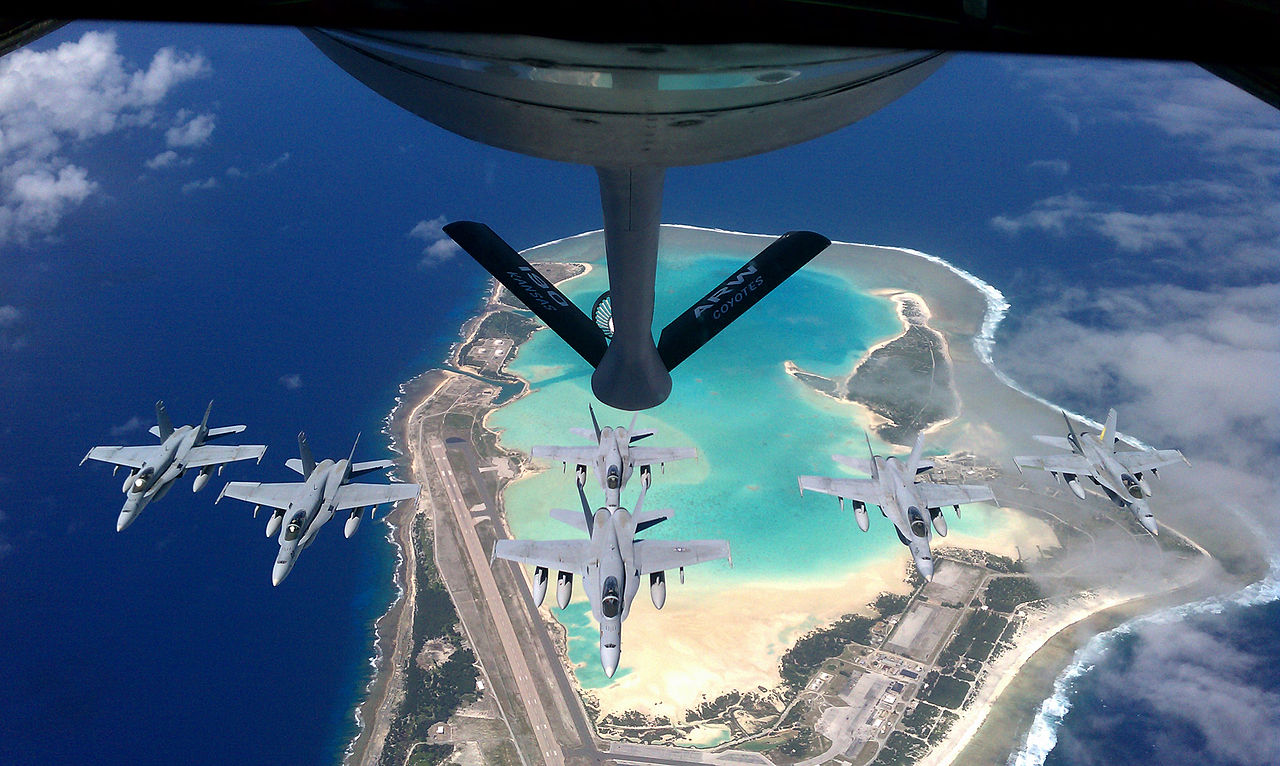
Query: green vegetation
[(889, 604), (1004, 564), (900, 750), (818, 646), (1004, 594), (975, 639), (431, 695), (429, 755), (947, 692), (800, 745)]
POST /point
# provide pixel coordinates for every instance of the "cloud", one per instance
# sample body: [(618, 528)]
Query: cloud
[(163, 160), (1231, 719), (1216, 207), (194, 186), (1187, 368), (291, 382), (52, 102), (269, 167), (439, 247), (190, 131), (11, 320), (134, 423), (1055, 167)]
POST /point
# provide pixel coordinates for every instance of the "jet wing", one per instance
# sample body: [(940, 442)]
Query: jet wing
[(130, 457), (361, 495), (209, 454), (658, 555), (270, 495), (1134, 462), (580, 455), (649, 455), (864, 490), (1076, 464), (560, 555), (1054, 441), (939, 495)]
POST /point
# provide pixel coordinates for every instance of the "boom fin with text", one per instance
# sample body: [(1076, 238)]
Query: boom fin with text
[(684, 335)]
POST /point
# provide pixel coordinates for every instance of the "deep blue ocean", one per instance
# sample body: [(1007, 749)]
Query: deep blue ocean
[(166, 643)]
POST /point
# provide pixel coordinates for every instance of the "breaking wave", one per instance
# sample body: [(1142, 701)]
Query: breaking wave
[(1043, 735)]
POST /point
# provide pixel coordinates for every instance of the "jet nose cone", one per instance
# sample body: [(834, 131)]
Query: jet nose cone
[(279, 572), (1149, 523), (926, 568), (126, 518), (609, 657)]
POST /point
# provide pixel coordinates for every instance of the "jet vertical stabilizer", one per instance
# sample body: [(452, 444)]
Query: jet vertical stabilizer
[(163, 423)]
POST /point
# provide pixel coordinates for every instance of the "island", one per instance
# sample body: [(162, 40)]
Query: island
[(822, 644)]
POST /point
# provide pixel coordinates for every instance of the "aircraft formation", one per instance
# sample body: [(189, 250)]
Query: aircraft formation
[(612, 562), (309, 504)]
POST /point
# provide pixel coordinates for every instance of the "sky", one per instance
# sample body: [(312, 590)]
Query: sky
[(271, 216)]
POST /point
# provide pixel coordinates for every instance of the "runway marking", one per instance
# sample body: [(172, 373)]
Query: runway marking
[(497, 609)]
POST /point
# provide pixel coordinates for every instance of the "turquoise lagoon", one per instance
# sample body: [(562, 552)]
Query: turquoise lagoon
[(755, 427)]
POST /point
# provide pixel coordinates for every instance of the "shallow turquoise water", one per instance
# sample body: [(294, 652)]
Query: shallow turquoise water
[(755, 427)]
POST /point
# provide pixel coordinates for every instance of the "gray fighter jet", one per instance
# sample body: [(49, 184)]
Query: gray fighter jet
[(1095, 457), (153, 469), (612, 564), (311, 503), (613, 457), (909, 503)]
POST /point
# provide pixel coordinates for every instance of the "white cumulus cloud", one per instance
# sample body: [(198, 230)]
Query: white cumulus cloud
[(438, 247), (53, 101), (191, 130), (195, 186), (291, 382)]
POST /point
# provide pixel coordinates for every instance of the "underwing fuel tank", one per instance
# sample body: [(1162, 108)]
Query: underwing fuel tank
[(564, 588), (539, 585), (939, 523), (860, 514), (353, 522), (273, 523), (202, 479), (1074, 483), (658, 588)]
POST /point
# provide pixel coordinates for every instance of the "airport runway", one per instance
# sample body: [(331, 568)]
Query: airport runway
[(534, 709)]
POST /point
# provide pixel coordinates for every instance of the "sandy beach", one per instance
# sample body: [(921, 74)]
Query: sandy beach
[(713, 637)]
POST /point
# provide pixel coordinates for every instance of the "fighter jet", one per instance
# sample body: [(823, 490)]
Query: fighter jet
[(612, 564), (1095, 457), (311, 503), (909, 503), (613, 457), (153, 469)]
